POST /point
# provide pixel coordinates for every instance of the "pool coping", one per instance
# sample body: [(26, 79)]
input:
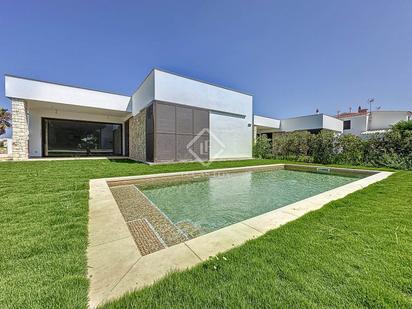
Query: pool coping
[(115, 265)]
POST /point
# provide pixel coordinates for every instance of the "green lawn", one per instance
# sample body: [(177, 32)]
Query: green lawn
[(354, 252)]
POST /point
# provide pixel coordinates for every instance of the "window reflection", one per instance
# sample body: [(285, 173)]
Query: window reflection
[(81, 138)]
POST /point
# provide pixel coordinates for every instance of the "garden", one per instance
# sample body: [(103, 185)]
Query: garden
[(355, 251), (391, 149)]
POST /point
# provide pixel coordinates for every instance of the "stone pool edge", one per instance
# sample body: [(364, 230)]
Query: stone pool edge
[(115, 265)]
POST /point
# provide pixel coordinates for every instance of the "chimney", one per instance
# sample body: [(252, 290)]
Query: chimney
[(359, 109)]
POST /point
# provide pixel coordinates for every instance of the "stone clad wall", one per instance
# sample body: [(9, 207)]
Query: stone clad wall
[(20, 130), (137, 136)]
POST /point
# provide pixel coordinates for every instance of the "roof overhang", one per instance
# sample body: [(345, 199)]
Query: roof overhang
[(40, 91), (312, 122), (266, 122), (41, 105)]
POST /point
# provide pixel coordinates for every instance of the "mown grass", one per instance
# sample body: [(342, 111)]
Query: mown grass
[(354, 252), (43, 227)]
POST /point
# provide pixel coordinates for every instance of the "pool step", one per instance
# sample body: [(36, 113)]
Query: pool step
[(145, 236), (134, 205)]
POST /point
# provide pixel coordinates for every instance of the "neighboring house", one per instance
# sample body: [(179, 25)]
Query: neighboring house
[(363, 122), (168, 118), (311, 123)]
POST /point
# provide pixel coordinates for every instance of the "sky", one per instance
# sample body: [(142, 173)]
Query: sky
[(293, 56)]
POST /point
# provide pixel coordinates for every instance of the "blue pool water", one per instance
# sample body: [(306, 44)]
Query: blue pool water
[(217, 201)]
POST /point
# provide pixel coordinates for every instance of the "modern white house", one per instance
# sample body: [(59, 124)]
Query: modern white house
[(311, 123), (168, 118), (362, 123)]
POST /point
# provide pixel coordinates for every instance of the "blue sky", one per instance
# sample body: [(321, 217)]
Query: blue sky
[(293, 56)]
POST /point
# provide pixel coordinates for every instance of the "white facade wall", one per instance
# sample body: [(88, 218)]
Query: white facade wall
[(266, 122), (176, 89), (358, 124), (229, 137), (311, 122), (144, 95), (381, 120), (332, 123), (35, 123)]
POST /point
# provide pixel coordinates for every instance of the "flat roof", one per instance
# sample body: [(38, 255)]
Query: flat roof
[(62, 84)]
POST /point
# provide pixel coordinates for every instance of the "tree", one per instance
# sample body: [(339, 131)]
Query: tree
[(5, 120)]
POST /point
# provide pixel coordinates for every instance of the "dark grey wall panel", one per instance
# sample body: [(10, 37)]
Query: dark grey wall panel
[(200, 120), (182, 149), (165, 118), (149, 134), (149, 120), (165, 147), (150, 147), (184, 120), (175, 126), (201, 147)]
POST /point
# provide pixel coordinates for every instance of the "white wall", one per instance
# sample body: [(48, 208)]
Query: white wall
[(144, 95), (357, 126), (35, 115), (233, 130), (16, 87), (230, 137), (385, 119), (332, 123), (176, 89), (266, 122), (311, 122)]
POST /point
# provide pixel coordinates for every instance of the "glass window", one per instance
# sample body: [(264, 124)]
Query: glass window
[(81, 138), (346, 125)]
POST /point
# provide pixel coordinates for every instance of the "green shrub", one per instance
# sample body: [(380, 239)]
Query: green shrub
[(350, 150), (323, 147), (294, 145), (402, 126), (262, 148), (390, 149)]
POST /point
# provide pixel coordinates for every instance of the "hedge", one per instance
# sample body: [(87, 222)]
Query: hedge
[(390, 149)]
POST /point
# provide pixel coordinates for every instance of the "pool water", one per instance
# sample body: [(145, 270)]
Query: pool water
[(214, 202)]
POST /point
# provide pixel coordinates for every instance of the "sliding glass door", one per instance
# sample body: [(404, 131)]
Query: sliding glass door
[(62, 138)]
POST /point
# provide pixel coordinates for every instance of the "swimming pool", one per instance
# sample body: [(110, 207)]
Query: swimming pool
[(166, 211), (215, 202)]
